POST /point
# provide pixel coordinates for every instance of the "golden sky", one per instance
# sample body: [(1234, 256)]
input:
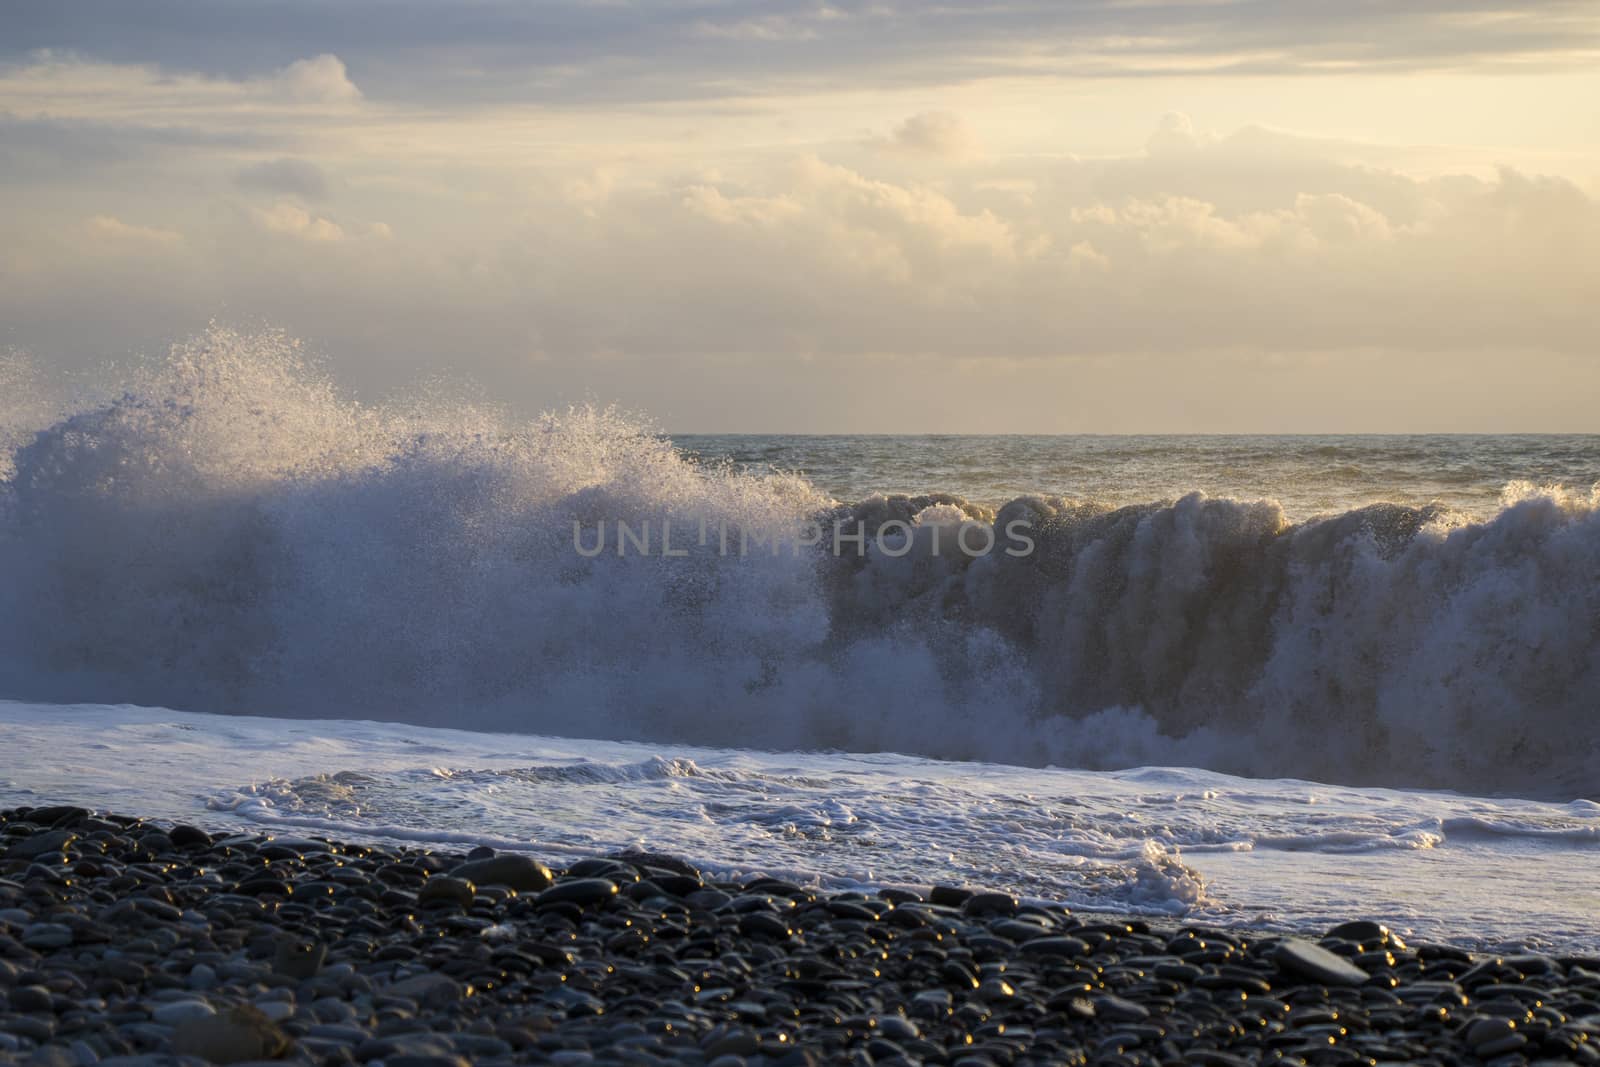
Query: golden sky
[(1120, 216)]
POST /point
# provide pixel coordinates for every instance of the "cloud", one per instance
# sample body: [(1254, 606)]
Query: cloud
[(935, 133), (691, 182), (183, 105), (292, 177), (1175, 136), (1104, 257), (113, 229), (288, 218), (1252, 244), (575, 50), (1252, 169), (321, 80), (49, 148), (813, 257), (757, 28), (1335, 219)]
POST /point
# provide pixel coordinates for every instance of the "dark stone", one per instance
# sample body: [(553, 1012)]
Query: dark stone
[(1119, 1010), (1061, 947), (189, 837), (764, 924), (672, 966), (949, 896), (40, 844), (1363, 931), (1306, 960), (580, 891), (990, 903), (614, 870), (57, 815), (299, 959), (443, 889), (238, 1035), (32, 998), (428, 990), (677, 885), (522, 873), (660, 862)]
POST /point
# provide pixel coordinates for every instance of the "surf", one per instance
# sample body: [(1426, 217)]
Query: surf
[(230, 532)]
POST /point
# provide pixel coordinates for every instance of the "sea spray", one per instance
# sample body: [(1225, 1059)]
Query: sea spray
[(230, 533)]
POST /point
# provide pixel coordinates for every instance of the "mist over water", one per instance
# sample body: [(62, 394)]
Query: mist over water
[(229, 533)]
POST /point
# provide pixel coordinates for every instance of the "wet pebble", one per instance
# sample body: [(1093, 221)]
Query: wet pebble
[(156, 941), (580, 891), (522, 873), (1316, 963), (444, 889)]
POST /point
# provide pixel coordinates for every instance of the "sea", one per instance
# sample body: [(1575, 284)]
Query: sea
[(1263, 681)]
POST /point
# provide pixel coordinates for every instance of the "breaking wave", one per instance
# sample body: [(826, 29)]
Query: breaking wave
[(230, 533)]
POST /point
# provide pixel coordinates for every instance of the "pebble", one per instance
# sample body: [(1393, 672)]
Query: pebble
[(1363, 931), (993, 989), (239, 1035), (735, 1043), (443, 889), (522, 873), (1482, 1031), (1066, 947), (46, 935), (581, 891), (298, 958), (235, 948), (990, 903), (32, 998), (33, 1028), (174, 1012), (427, 989), (1116, 1009), (1317, 963), (40, 844), (202, 978), (275, 1010)]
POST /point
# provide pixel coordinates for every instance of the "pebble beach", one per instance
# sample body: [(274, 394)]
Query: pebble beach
[(132, 942)]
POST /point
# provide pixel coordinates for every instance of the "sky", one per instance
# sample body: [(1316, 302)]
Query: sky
[(1034, 216)]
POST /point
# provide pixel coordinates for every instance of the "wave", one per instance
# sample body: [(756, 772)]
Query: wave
[(229, 533)]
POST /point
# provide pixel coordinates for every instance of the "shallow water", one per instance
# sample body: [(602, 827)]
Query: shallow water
[(1163, 841)]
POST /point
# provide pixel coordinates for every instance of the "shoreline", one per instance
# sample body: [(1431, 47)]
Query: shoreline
[(130, 941)]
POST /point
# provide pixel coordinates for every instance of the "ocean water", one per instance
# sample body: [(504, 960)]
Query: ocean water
[(1255, 679), (1309, 475)]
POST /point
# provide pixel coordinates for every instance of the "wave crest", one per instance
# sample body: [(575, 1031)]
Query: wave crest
[(230, 533)]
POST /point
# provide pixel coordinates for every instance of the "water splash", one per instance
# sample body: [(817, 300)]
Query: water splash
[(229, 532)]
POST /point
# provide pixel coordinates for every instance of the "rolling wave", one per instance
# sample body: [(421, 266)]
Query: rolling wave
[(231, 534)]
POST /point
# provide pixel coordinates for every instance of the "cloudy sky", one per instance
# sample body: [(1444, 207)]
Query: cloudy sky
[(887, 216)]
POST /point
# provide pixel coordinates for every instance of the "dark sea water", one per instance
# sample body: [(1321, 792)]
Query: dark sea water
[(1308, 475)]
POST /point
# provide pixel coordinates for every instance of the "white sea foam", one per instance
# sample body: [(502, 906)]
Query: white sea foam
[(1160, 841), (229, 533)]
